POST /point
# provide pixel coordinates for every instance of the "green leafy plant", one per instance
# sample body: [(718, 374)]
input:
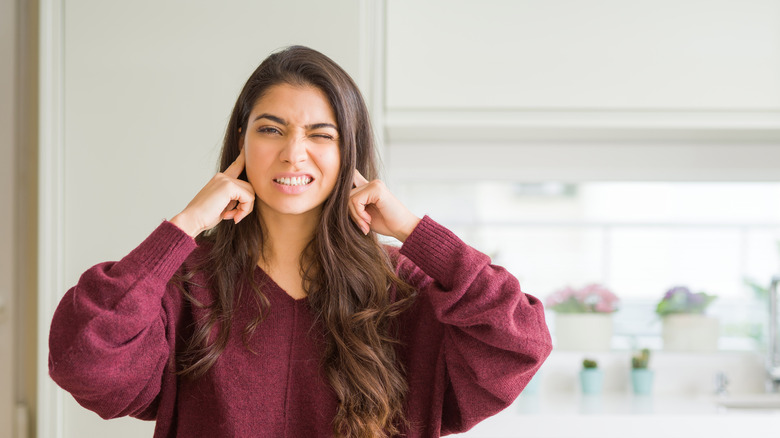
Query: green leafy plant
[(590, 364), (641, 360), (760, 291)]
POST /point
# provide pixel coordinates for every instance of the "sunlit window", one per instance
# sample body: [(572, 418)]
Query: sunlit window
[(638, 239)]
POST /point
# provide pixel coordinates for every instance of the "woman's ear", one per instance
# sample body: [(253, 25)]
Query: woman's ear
[(240, 140)]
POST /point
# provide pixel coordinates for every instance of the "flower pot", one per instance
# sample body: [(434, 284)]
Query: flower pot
[(690, 332), (583, 331), (591, 381), (642, 381)]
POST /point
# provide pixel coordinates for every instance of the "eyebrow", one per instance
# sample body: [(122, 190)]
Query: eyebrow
[(281, 121)]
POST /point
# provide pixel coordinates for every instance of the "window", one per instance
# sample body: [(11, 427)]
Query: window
[(639, 239)]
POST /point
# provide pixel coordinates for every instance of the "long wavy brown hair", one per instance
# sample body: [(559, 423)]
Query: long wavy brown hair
[(349, 277)]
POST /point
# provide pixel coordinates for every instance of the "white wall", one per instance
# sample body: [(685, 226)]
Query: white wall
[(148, 87)]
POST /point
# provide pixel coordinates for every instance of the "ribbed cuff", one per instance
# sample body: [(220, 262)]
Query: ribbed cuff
[(432, 248), (164, 251)]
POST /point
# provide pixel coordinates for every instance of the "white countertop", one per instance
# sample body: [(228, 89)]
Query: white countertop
[(625, 415)]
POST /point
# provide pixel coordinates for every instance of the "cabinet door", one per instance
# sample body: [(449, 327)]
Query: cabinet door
[(574, 55)]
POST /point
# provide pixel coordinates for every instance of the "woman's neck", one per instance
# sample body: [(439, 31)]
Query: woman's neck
[(286, 237)]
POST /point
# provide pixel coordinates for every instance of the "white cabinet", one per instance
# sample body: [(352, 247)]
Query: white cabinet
[(583, 55), (583, 90)]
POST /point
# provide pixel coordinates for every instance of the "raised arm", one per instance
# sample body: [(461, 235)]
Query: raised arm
[(475, 339), (109, 343), (485, 335), (112, 334)]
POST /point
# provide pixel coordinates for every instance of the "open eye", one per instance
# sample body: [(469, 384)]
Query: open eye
[(269, 130)]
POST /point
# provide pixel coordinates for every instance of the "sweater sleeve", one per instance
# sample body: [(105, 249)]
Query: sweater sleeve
[(493, 336), (108, 344)]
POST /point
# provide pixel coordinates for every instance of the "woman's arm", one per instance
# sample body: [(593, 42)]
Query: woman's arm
[(110, 337), (108, 344), (476, 339), (481, 336)]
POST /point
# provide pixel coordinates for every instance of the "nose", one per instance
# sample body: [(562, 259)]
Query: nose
[(294, 151)]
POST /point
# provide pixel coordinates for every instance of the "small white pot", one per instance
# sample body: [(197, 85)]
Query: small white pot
[(583, 331), (690, 332)]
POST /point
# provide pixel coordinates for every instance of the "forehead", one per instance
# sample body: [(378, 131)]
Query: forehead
[(296, 104)]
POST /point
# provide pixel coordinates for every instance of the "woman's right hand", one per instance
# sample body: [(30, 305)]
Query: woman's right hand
[(224, 197)]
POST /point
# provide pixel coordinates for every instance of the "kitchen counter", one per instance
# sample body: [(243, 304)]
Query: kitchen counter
[(625, 415)]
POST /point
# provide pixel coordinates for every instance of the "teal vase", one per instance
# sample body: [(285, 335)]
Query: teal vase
[(642, 381), (592, 381)]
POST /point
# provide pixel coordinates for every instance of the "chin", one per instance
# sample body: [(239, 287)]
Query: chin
[(295, 210), (299, 211)]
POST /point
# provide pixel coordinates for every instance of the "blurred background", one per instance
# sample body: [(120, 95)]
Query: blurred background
[(603, 151)]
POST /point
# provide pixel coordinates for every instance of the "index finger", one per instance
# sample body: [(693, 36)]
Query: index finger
[(359, 180), (235, 169)]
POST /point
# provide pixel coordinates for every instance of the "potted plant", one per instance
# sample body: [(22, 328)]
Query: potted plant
[(685, 325), (583, 317), (641, 376), (591, 377)]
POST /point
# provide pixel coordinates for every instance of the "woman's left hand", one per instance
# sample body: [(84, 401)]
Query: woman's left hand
[(373, 207)]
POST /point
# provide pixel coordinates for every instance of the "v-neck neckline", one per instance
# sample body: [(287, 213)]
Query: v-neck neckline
[(274, 286)]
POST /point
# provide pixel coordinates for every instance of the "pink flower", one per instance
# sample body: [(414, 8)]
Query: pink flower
[(560, 296), (591, 298), (604, 307)]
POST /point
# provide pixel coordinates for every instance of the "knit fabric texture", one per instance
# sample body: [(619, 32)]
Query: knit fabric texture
[(470, 344)]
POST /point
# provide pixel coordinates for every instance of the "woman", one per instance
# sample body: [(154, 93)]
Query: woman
[(267, 307)]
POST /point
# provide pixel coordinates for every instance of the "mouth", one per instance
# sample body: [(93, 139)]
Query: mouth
[(294, 181)]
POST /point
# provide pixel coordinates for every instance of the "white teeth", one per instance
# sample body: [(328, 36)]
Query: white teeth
[(294, 181)]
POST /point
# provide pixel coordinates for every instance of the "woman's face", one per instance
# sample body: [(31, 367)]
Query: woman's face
[(292, 150)]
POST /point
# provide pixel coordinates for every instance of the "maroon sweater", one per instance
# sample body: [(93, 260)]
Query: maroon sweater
[(471, 342)]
